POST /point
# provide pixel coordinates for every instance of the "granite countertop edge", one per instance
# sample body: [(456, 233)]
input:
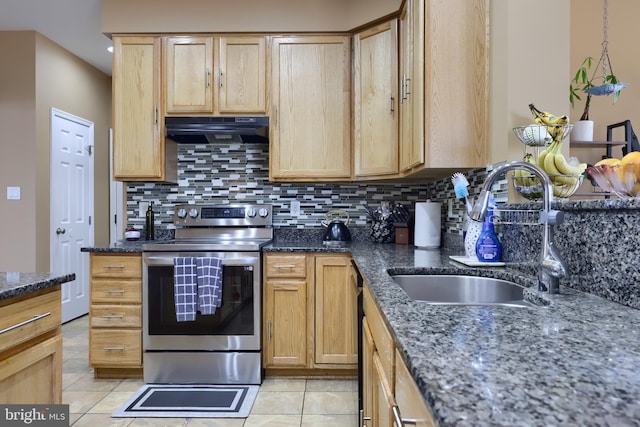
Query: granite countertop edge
[(13, 284)]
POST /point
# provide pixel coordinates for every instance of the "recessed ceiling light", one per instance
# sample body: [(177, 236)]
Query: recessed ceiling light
[(110, 49)]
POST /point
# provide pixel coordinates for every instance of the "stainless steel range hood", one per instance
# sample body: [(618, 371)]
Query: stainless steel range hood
[(207, 130)]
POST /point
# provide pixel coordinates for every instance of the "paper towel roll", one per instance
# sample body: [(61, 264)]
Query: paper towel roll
[(427, 224)]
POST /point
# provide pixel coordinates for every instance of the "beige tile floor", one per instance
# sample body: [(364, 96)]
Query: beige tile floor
[(280, 402)]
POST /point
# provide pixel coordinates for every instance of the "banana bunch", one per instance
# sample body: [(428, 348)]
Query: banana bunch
[(553, 123), (523, 178)]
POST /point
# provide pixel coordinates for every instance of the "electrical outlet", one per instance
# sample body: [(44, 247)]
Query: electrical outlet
[(295, 208), (142, 209)]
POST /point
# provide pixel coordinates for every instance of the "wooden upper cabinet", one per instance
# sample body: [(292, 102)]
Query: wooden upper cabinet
[(242, 76), (456, 83), (376, 101), (310, 137), (215, 75), (188, 75), (411, 97), (138, 127)]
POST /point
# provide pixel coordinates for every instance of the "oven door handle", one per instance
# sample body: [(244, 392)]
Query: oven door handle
[(159, 260)]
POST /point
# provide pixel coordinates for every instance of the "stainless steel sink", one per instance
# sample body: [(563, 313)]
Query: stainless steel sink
[(461, 290)]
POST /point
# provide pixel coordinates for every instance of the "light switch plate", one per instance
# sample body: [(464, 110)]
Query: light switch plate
[(13, 193)]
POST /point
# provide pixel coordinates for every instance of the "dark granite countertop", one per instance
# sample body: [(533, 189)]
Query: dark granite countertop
[(571, 361), (120, 246), (13, 284)]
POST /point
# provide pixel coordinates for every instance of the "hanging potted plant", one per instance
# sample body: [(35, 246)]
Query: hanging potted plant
[(606, 84), (581, 82)]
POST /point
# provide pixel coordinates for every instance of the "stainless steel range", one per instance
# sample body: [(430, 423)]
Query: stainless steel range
[(218, 348)]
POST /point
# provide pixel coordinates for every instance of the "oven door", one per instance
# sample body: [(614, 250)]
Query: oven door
[(234, 326)]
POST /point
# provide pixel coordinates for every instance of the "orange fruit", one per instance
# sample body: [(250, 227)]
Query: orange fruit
[(632, 157), (608, 162)]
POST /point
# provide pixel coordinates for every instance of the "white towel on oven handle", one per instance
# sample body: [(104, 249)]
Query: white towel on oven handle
[(185, 287), (209, 278)]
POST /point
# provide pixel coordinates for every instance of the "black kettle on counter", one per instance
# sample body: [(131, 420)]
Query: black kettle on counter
[(337, 230)]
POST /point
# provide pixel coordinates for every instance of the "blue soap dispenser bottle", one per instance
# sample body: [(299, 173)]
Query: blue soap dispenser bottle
[(488, 246)]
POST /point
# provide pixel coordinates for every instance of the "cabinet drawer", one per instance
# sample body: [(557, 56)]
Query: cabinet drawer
[(116, 316), (116, 291), (381, 336), (286, 265), (26, 319), (113, 347), (129, 266)]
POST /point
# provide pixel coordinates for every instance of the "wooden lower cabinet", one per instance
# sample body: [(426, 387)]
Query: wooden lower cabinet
[(31, 354), (336, 339), (411, 405), (286, 329), (115, 315), (389, 391), (309, 315)]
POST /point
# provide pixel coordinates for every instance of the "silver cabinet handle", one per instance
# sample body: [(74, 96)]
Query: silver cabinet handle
[(113, 316), (284, 266), (220, 77), (269, 330), (26, 322), (207, 74), (400, 422), (406, 88), (391, 99), (112, 348), (60, 230), (114, 266), (114, 291)]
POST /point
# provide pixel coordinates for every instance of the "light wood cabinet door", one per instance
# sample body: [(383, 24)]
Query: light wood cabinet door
[(408, 397), (242, 75), (336, 330), (285, 334), (383, 399), (368, 350), (411, 96), (188, 65), (456, 83), (376, 101), (33, 376), (310, 137), (138, 128)]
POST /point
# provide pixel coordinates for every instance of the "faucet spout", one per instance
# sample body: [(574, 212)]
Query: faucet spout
[(552, 266)]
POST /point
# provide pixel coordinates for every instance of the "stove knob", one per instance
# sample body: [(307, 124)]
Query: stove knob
[(193, 213), (182, 213), (263, 212), (251, 212)]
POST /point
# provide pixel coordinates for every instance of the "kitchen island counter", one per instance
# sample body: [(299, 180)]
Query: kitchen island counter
[(14, 284), (571, 360)]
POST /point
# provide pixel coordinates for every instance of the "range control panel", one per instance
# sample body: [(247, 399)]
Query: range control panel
[(250, 215)]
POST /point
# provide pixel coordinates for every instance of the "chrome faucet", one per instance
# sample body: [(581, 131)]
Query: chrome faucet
[(552, 266)]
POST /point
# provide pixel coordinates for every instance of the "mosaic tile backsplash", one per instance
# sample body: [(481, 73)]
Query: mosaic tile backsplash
[(239, 173)]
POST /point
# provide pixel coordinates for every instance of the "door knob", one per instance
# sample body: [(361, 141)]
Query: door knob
[(60, 230)]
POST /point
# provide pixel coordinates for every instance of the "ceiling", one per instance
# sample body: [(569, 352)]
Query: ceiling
[(73, 24)]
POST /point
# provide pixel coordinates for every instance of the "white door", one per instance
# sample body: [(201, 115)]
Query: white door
[(71, 207)]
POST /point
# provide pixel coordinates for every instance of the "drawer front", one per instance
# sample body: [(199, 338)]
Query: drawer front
[(116, 266), (117, 348), (116, 316), (288, 265), (26, 319), (116, 291)]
